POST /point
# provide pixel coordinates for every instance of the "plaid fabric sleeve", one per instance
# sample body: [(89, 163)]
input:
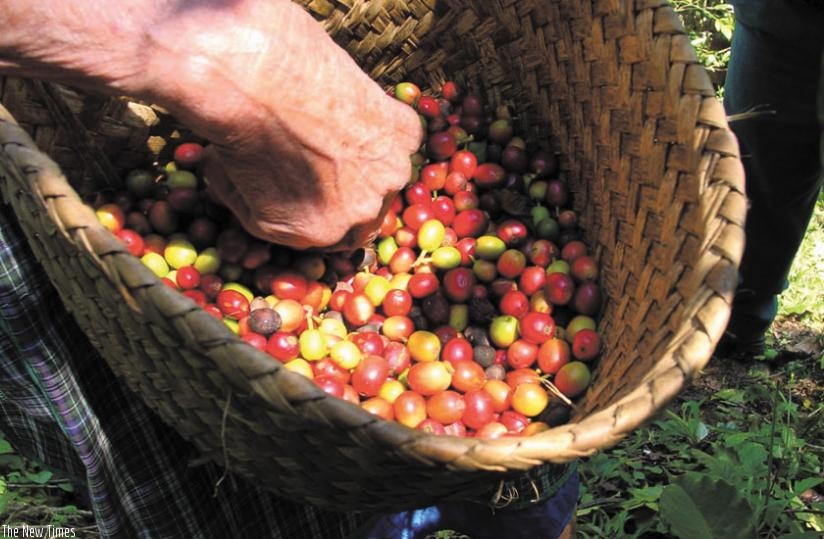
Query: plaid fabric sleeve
[(62, 406)]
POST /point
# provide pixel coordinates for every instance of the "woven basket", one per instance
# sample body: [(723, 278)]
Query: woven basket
[(613, 86)]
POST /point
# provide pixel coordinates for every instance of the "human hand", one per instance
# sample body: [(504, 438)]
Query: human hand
[(307, 151)]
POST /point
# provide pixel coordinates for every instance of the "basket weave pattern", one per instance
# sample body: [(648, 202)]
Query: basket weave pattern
[(613, 86)]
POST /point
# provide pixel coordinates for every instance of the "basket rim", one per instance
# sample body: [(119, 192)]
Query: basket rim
[(689, 352)]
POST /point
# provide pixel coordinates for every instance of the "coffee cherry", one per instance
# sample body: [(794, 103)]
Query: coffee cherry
[(264, 321), (447, 323)]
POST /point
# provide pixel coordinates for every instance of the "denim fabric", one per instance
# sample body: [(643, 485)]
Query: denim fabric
[(546, 518), (775, 65)]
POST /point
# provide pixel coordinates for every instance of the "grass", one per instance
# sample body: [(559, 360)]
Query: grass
[(803, 299), (745, 438)]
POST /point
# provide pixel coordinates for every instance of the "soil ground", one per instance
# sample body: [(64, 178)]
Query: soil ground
[(791, 347)]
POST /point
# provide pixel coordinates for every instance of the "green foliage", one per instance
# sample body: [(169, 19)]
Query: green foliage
[(754, 438), (750, 451), (32, 495), (690, 512), (710, 25), (802, 299)]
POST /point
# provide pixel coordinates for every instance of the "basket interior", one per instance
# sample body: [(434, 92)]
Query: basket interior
[(612, 86), (616, 89)]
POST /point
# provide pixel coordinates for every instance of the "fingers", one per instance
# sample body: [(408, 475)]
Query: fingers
[(307, 230), (409, 132), (350, 198), (363, 234), (219, 185), (308, 150), (224, 190)]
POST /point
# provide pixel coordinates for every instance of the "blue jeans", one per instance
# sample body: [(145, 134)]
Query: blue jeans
[(546, 518), (775, 64)]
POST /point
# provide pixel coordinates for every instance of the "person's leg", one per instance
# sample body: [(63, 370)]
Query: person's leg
[(774, 68)]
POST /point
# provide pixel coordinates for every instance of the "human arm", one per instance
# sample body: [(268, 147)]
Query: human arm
[(306, 149)]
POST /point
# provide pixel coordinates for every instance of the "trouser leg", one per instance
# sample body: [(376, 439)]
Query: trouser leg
[(781, 157)]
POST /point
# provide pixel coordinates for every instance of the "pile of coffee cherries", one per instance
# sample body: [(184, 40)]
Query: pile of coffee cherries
[(473, 314)]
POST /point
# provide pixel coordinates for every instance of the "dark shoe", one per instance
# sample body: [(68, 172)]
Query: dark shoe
[(732, 348)]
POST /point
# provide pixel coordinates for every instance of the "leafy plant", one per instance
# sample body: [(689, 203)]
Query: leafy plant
[(802, 299), (34, 496), (745, 451), (689, 512), (710, 25)]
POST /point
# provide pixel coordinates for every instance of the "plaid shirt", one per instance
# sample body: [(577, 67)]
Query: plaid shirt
[(62, 406)]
